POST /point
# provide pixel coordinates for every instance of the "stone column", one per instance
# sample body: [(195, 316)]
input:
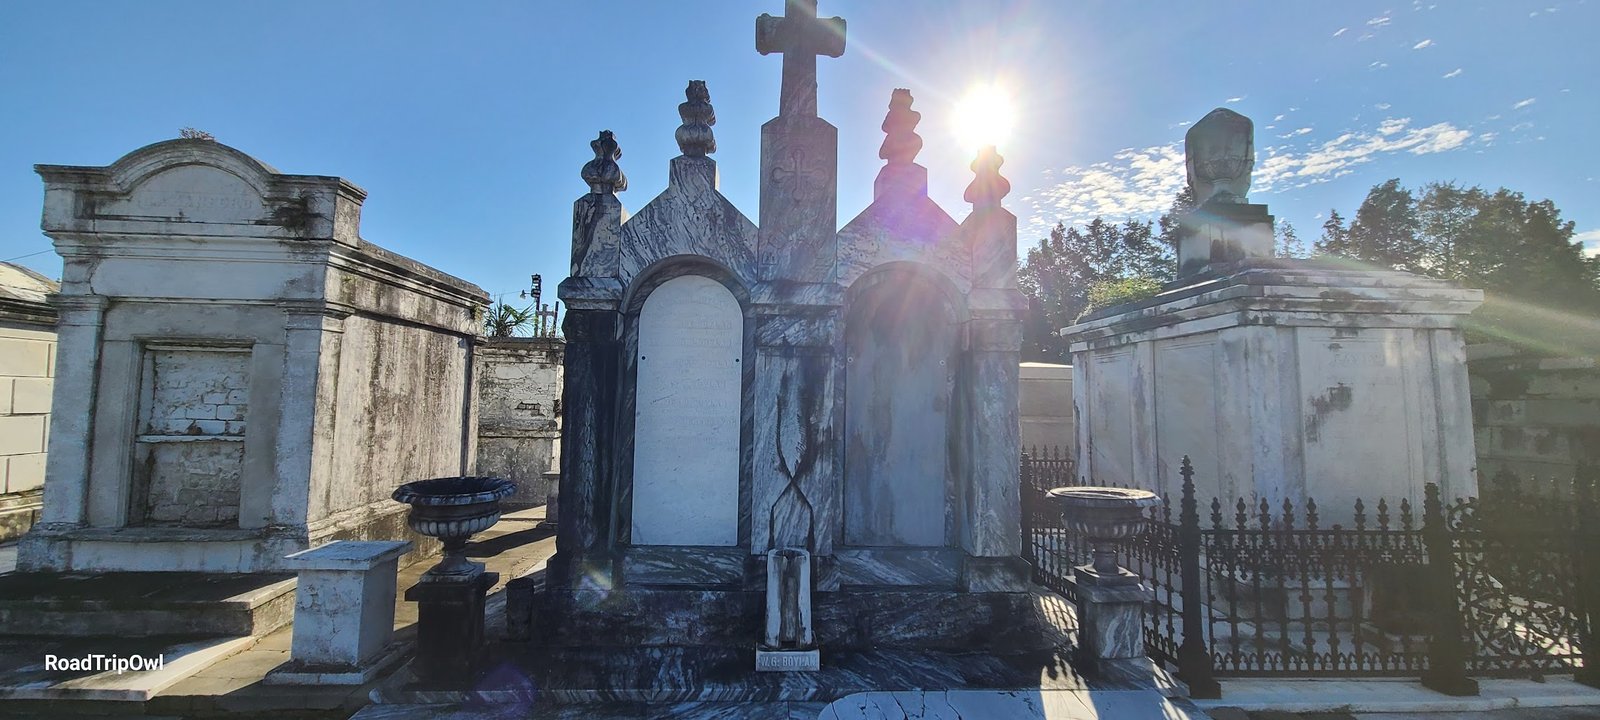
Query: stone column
[(589, 402), (593, 295), (66, 486), (992, 530)]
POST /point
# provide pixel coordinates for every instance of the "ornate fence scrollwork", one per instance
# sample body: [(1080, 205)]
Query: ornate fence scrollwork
[(1505, 586)]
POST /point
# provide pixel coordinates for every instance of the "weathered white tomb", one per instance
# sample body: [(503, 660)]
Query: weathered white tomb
[(27, 362), (730, 390), (517, 382), (1281, 379), (241, 376)]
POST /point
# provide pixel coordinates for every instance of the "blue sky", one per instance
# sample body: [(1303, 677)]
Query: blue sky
[(468, 122)]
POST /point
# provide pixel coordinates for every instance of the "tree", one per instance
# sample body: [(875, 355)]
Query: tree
[(1335, 238), (503, 321), (1384, 232), (1057, 275), (1289, 243)]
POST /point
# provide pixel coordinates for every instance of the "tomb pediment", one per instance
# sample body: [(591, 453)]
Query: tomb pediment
[(202, 187)]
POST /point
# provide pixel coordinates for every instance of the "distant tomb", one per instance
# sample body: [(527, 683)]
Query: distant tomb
[(240, 375), (1282, 379)]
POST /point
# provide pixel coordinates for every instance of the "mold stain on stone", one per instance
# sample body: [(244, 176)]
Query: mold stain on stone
[(1337, 398)]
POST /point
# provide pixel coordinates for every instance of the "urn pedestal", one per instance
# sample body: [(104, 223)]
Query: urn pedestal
[(1110, 598), (450, 596)]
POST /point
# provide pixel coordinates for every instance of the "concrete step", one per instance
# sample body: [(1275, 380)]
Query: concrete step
[(144, 604)]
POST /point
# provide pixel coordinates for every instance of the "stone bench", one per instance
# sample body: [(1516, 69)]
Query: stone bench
[(343, 615)]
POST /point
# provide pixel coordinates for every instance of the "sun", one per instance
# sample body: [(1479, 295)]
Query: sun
[(984, 117)]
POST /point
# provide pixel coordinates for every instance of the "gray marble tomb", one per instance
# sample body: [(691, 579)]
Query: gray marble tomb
[(733, 389)]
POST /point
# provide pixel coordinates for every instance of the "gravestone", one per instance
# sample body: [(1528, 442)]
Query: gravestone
[(844, 398), (241, 376), (1280, 378)]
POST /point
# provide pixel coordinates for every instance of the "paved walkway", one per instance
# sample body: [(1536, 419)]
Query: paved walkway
[(1387, 697)]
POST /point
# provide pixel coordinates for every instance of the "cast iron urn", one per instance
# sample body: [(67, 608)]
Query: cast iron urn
[(452, 509), (1105, 516)]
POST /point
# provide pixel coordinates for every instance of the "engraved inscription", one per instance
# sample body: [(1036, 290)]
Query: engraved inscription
[(686, 419), (805, 661)]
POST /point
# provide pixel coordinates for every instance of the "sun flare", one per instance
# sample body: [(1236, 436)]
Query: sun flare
[(984, 117)]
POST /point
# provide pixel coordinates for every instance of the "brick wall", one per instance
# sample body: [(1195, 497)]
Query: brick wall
[(27, 368)]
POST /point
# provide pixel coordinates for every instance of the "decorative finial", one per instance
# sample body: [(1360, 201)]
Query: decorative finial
[(988, 187), (1219, 153), (603, 173), (901, 143), (694, 135)]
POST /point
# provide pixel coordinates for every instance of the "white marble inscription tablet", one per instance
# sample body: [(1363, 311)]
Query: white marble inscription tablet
[(686, 417)]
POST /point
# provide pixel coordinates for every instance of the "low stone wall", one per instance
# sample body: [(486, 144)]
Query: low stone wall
[(1537, 417), (27, 372), (1045, 402), (518, 386)]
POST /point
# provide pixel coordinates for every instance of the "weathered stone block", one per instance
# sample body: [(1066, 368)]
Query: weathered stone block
[(24, 472), (21, 434)]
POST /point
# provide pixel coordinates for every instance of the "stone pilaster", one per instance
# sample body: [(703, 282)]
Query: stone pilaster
[(589, 402), (992, 532), (66, 485), (308, 396), (589, 398), (795, 473)]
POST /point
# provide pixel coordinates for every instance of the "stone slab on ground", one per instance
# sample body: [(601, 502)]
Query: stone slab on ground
[(1374, 695), (24, 675), (132, 604), (1011, 704), (530, 675), (609, 711)]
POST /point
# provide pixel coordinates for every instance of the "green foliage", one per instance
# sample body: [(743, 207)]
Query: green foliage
[(1106, 293), (1539, 287), (503, 321), (1058, 274), (1289, 243)]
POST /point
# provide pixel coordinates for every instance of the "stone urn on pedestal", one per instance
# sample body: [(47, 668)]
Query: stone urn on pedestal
[(450, 596), (1111, 598)]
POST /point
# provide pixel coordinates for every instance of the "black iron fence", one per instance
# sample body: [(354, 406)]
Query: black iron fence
[(1498, 586)]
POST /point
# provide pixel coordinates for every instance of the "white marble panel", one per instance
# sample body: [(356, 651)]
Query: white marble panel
[(686, 422)]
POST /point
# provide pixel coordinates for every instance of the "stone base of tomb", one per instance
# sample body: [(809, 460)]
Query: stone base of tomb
[(144, 604), (929, 619), (51, 547)]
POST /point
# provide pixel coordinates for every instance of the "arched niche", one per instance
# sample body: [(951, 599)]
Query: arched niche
[(902, 342), (687, 409)]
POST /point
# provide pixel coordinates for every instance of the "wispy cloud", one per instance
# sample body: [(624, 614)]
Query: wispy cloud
[(1235, 99), (1423, 44), (1383, 106), (1379, 21), (1340, 31), (1141, 182), (1591, 242), (1378, 65), (1524, 103), (1452, 73)]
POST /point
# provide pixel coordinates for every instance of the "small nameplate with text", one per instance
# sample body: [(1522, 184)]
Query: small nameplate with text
[(788, 660)]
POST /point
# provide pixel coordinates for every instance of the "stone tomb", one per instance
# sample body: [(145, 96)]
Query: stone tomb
[(1281, 379), (733, 390), (240, 375)]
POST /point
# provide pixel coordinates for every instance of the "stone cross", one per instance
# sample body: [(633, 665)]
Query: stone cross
[(800, 36)]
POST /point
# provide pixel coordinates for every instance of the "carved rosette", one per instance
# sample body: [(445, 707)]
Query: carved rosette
[(988, 186), (901, 142), (603, 173), (694, 135)]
